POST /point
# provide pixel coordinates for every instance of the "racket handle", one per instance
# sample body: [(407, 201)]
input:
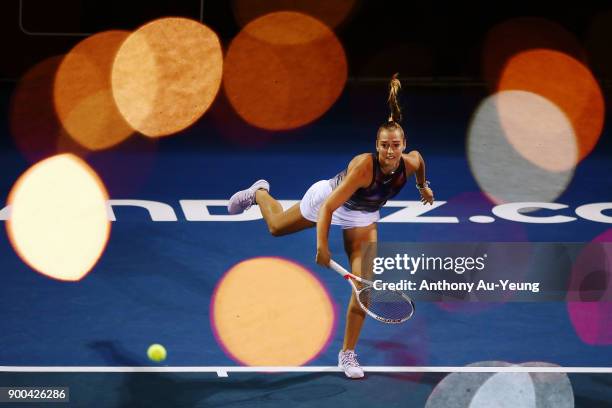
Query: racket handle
[(346, 274), (338, 268)]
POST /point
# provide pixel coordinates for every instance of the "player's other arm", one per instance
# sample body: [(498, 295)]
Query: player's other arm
[(359, 175), (416, 164)]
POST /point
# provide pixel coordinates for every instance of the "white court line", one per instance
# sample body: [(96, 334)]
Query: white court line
[(224, 371)]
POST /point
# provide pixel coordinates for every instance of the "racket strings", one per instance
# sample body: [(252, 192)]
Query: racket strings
[(386, 304)]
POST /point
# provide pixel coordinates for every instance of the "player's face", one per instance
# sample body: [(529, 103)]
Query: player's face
[(390, 145)]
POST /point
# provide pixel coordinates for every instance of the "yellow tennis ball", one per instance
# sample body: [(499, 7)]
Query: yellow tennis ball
[(156, 352)]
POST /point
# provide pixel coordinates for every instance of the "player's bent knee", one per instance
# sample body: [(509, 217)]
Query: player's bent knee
[(286, 226)]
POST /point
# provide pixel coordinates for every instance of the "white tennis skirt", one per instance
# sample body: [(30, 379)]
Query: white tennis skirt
[(316, 196)]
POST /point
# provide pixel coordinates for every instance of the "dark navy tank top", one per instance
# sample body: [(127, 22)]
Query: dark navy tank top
[(382, 188)]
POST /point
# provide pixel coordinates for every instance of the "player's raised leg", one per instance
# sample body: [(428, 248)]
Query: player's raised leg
[(279, 222), (244, 199)]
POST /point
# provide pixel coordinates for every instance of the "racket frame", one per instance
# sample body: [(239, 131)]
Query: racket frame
[(369, 284)]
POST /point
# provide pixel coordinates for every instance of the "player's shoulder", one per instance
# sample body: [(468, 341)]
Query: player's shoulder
[(362, 163), (362, 160), (412, 159)]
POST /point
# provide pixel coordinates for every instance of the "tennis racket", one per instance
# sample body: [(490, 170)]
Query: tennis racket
[(387, 306)]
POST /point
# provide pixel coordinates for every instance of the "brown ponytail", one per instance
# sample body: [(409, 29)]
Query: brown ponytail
[(396, 112)]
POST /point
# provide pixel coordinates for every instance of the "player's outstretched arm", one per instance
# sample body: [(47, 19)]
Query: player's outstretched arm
[(359, 175)]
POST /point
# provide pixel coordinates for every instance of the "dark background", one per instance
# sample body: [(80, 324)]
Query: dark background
[(437, 47), (446, 37)]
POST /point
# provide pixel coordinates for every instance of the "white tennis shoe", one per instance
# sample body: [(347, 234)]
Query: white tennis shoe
[(347, 360), (244, 199)]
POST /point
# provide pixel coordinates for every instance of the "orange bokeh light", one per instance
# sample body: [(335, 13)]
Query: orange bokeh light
[(284, 70), (332, 13), (34, 124), (513, 36), (271, 312), (166, 75), (565, 82), (83, 95)]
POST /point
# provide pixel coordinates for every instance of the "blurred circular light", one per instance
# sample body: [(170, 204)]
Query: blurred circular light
[(284, 70), (166, 75), (59, 224), (456, 390), (513, 36), (332, 13), (502, 173), (590, 290), (538, 130), (271, 312), (34, 124), (83, 95), (401, 350), (505, 390), (552, 390), (565, 82)]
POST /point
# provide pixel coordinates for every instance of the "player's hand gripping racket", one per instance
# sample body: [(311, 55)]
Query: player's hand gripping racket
[(387, 306)]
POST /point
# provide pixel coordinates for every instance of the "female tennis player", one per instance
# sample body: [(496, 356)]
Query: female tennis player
[(351, 199)]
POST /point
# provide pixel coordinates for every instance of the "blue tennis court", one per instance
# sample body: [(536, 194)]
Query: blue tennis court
[(172, 242)]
